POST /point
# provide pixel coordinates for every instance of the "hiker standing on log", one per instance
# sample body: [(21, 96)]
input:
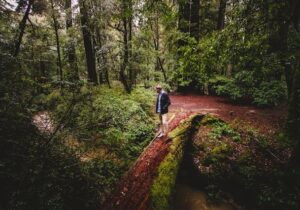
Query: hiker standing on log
[(162, 104)]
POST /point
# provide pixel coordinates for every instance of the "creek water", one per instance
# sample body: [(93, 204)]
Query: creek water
[(189, 191), (190, 198)]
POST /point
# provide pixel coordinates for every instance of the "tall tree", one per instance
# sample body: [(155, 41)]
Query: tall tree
[(156, 39), (98, 37), (189, 20), (126, 71), (221, 14), (293, 77), (56, 28), (71, 50), (88, 42), (293, 123), (21, 29)]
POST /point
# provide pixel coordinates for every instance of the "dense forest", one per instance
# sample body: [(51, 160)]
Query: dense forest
[(77, 92)]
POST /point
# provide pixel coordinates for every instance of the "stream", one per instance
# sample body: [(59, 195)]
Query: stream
[(190, 198), (189, 193)]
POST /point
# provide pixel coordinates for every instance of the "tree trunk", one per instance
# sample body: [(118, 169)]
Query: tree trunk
[(21, 29), (124, 65), (72, 59), (189, 19), (104, 72), (127, 78), (88, 45), (293, 78), (195, 19), (55, 25), (293, 122), (221, 15), (98, 34), (130, 31), (163, 69)]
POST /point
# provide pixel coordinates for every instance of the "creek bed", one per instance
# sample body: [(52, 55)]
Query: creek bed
[(190, 198)]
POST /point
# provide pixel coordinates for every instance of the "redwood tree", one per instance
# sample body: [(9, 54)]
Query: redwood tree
[(88, 44)]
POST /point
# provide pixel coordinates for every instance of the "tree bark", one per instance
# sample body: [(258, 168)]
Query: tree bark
[(293, 122), (130, 69), (21, 29), (55, 25), (103, 74), (189, 19), (162, 69), (127, 78), (88, 45), (221, 15), (124, 65), (72, 59)]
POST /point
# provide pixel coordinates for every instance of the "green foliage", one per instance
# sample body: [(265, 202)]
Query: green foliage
[(221, 129), (217, 83), (269, 93), (42, 173), (197, 63), (241, 89), (145, 98), (189, 72), (108, 118), (249, 165), (234, 62)]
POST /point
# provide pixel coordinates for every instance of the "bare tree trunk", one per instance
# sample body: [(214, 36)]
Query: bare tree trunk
[(156, 41), (88, 45), (195, 19), (98, 34), (221, 15), (130, 69), (72, 59), (293, 82), (189, 18), (124, 65), (128, 79), (163, 69), (103, 73), (55, 25), (293, 122), (21, 29)]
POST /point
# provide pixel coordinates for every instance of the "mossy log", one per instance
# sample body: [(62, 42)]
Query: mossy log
[(163, 185)]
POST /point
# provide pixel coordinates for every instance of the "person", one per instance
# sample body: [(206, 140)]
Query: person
[(162, 104)]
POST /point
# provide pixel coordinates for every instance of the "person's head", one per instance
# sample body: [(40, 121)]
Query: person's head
[(158, 88)]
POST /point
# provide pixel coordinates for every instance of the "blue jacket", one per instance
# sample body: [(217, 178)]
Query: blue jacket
[(164, 103)]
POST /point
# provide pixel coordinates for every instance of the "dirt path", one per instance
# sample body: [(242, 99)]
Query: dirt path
[(132, 193), (264, 119)]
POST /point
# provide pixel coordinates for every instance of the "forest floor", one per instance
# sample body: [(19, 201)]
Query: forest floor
[(132, 192)]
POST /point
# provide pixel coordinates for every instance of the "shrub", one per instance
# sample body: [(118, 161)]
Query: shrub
[(44, 174), (269, 93), (216, 83)]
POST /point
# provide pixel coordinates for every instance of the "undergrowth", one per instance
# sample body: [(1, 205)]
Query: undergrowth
[(46, 172), (251, 166)]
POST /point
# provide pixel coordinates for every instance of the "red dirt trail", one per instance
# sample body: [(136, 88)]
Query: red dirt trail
[(132, 192)]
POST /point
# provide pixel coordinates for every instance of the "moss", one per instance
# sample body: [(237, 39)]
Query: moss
[(163, 185), (209, 119), (221, 149), (244, 158)]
